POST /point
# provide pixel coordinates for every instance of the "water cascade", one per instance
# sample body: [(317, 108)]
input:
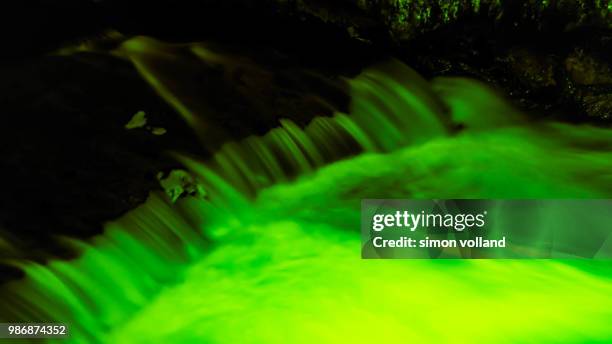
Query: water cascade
[(272, 253)]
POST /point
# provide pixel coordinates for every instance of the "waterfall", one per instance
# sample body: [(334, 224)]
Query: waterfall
[(272, 253)]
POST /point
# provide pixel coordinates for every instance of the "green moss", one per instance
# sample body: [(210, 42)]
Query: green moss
[(408, 18)]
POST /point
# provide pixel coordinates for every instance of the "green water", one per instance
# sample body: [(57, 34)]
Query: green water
[(272, 256)]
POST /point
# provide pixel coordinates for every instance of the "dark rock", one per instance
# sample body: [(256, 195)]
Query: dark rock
[(598, 106), (536, 72), (587, 69), (68, 163)]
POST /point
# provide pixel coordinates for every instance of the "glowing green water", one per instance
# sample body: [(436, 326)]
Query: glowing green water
[(270, 259)]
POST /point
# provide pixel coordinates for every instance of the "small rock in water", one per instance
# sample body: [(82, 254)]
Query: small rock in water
[(158, 131), (180, 183), (139, 120)]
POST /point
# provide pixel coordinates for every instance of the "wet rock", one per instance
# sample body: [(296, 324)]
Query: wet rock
[(536, 72), (84, 136), (68, 163), (587, 69), (598, 106)]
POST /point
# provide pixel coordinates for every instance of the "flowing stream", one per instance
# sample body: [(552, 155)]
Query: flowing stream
[(271, 253)]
